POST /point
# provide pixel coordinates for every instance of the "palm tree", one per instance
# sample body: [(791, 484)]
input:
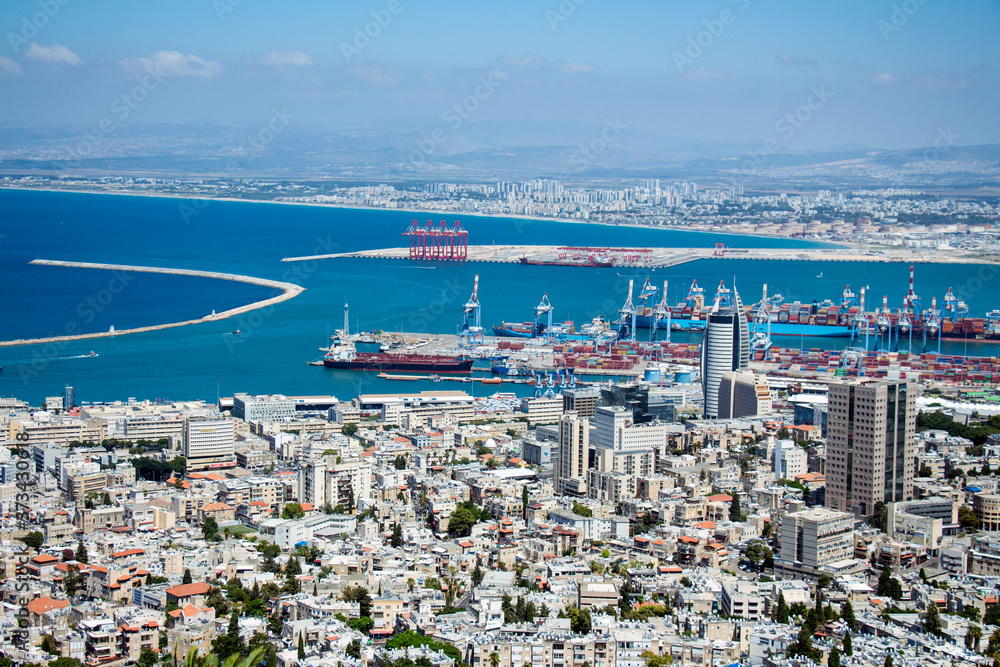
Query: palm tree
[(973, 636), (212, 660), (494, 659), (410, 583)]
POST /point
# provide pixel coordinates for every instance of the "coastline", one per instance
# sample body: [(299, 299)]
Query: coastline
[(288, 291), (511, 216)]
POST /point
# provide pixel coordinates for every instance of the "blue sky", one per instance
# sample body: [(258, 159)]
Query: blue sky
[(892, 74)]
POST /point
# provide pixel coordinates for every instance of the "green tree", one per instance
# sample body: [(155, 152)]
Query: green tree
[(477, 576), (581, 510), (360, 595), (932, 619), (781, 613), (210, 529), (34, 539), (72, 581), (302, 649), (186, 579), (399, 463), (397, 536), (879, 517), (230, 643), (579, 620), (147, 658), (888, 661), (292, 511), (884, 581), (524, 502), (848, 644), (967, 518), (735, 511), (292, 570), (756, 552), (349, 429), (973, 636), (461, 522), (834, 659), (49, 645), (81, 553), (353, 649), (847, 615)]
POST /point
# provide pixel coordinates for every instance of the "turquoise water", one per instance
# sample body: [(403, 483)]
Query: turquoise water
[(270, 354)]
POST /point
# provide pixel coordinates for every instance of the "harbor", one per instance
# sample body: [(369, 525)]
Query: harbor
[(650, 258)]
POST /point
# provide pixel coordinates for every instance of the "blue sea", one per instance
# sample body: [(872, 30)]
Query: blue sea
[(272, 350)]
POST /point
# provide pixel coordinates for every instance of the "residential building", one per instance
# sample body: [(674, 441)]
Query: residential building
[(870, 444)]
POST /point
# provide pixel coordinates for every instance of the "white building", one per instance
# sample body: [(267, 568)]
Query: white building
[(210, 444), (789, 460), (269, 408)]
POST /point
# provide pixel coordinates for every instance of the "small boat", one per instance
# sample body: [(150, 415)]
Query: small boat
[(239, 332), (91, 354), (820, 275)]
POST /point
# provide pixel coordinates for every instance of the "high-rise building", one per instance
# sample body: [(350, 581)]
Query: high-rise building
[(814, 537), (69, 398), (572, 458), (581, 400), (725, 347), (209, 444), (743, 394), (870, 444)]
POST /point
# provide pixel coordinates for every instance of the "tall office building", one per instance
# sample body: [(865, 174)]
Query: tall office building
[(870, 450), (572, 458), (69, 398), (209, 444), (725, 347)]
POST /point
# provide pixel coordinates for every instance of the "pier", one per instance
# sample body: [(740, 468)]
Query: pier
[(655, 258), (288, 291)]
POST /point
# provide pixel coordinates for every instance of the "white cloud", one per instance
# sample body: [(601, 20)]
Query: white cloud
[(174, 63), (882, 77), (54, 54), (574, 68), (702, 73), (292, 58), (799, 62), (373, 73), (527, 60), (8, 66)]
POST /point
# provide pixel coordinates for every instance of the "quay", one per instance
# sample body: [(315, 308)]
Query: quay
[(665, 257)]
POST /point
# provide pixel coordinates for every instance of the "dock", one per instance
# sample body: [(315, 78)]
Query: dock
[(655, 258)]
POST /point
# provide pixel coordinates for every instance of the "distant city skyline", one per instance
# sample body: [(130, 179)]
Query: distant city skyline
[(905, 74)]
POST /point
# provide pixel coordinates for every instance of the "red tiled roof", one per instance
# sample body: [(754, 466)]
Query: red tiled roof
[(128, 552), (187, 590), (44, 559), (44, 604), (720, 498)]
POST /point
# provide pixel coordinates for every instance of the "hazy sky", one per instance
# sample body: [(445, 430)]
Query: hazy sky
[(870, 72)]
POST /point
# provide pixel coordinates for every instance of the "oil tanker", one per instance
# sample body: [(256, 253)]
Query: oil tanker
[(378, 361)]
